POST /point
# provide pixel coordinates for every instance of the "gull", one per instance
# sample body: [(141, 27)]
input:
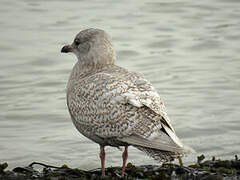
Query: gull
[(115, 107)]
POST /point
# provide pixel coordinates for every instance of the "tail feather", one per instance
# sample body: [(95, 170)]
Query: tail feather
[(160, 155)]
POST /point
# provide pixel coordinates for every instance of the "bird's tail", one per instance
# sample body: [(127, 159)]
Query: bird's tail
[(163, 145), (160, 155)]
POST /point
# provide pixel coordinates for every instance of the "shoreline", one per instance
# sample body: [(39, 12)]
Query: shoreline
[(202, 169)]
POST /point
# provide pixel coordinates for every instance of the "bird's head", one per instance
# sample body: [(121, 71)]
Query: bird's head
[(92, 47)]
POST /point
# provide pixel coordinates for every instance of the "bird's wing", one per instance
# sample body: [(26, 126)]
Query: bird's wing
[(144, 94), (152, 127)]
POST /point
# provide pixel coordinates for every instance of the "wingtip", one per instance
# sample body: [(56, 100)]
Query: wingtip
[(188, 150)]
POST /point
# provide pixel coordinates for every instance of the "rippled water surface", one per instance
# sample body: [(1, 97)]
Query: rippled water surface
[(189, 50)]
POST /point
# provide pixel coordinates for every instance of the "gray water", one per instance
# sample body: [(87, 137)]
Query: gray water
[(189, 50)]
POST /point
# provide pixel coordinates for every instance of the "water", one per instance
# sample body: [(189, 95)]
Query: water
[(189, 50)]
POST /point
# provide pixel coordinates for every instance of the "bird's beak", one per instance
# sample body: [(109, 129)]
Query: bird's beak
[(67, 49)]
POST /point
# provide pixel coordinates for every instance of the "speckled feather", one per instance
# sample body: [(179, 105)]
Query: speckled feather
[(112, 106)]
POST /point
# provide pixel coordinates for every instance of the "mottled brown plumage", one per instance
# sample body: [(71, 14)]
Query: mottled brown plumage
[(115, 107)]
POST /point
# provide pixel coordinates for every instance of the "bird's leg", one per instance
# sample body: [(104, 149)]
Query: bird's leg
[(102, 157), (124, 157)]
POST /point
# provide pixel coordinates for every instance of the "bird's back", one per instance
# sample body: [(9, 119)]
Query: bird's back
[(95, 100)]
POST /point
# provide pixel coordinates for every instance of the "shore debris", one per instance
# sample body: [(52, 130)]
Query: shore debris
[(209, 169)]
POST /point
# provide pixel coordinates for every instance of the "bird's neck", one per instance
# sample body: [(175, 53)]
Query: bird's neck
[(97, 58), (81, 69)]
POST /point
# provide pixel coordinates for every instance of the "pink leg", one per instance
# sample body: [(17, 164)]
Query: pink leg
[(102, 157), (124, 157)]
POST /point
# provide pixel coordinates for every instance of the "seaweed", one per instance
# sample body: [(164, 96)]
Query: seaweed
[(202, 170)]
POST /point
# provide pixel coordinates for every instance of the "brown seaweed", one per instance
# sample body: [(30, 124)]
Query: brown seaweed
[(202, 170)]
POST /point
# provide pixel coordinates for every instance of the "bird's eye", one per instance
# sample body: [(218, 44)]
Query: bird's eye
[(77, 41)]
